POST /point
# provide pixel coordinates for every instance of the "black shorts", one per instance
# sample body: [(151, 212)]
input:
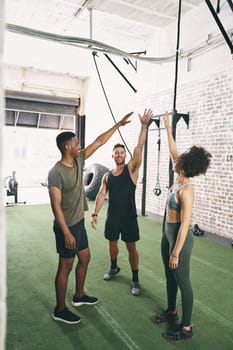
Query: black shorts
[(127, 226), (80, 234)]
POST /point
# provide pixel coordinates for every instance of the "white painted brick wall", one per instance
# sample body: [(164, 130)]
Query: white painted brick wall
[(210, 104)]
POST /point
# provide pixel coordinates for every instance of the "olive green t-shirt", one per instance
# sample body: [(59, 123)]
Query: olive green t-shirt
[(70, 183)]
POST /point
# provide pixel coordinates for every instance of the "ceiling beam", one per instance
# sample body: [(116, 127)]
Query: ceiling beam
[(188, 4), (141, 8)]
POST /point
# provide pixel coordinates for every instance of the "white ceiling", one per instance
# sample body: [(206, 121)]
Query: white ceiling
[(126, 24)]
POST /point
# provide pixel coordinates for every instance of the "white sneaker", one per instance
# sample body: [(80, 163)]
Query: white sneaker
[(111, 273), (136, 289)]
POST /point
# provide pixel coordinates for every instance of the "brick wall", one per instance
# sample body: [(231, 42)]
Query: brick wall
[(210, 104)]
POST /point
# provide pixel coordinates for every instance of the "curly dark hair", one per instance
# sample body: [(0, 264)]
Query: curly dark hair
[(195, 161)]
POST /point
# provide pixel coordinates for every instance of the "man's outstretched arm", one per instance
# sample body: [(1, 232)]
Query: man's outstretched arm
[(136, 161), (103, 138)]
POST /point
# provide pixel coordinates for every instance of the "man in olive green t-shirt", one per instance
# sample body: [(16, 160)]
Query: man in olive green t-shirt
[(68, 202)]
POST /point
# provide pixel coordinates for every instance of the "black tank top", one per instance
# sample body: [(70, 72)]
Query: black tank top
[(121, 195)]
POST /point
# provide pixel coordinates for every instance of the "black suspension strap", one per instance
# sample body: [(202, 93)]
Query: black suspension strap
[(94, 54), (157, 189)]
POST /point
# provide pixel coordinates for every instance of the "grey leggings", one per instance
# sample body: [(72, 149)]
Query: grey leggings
[(178, 277)]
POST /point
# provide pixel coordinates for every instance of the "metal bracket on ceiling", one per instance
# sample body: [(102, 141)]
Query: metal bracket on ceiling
[(128, 61), (219, 23), (81, 8), (134, 65)]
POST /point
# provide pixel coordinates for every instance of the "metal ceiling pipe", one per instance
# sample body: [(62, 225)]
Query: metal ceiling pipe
[(91, 22)]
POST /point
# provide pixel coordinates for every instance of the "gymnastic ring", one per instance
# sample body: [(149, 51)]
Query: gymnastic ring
[(157, 191), (92, 179)]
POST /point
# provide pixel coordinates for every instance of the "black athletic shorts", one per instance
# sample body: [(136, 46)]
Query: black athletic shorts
[(79, 232), (127, 227)]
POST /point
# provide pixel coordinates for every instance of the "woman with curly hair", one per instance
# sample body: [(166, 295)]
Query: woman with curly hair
[(177, 239)]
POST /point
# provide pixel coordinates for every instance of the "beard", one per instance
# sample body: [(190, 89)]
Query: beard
[(120, 161)]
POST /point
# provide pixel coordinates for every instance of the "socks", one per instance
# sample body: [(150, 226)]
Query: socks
[(113, 264), (134, 272), (135, 275)]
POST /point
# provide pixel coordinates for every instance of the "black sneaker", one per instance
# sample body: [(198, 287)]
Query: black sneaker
[(66, 316), (179, 334), (85, 299), (165, 318)]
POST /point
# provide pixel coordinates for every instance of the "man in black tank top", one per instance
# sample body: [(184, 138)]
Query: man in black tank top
[(120, 184)]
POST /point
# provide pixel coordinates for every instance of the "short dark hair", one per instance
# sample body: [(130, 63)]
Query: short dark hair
[(118, 145), (63, 138), (195, 161)]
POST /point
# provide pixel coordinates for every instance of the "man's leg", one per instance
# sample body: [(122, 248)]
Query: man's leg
[(61, 312), (81, 271), (134, 263), (61, 280), (80, 297), (113, 252), (133, 255)]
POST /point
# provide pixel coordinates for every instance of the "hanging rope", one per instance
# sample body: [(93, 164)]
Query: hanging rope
[(174, 112), (94, 54)]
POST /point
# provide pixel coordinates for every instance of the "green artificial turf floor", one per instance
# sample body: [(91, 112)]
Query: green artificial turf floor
[(119, 321)]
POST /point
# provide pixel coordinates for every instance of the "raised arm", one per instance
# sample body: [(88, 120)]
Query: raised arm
[(99, 201), (135, 163), (103, 138), (171, 141)]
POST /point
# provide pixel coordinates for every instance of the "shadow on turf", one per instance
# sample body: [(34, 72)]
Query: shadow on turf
[(87, 334), (156, 305)]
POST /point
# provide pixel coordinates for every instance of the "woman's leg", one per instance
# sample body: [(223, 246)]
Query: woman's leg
[(171, 284), (182, 274)]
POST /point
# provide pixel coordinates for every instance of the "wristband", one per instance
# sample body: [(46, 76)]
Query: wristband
[(94, 215)]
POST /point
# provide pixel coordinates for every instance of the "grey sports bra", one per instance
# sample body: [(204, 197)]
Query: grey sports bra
[(172, 202)]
